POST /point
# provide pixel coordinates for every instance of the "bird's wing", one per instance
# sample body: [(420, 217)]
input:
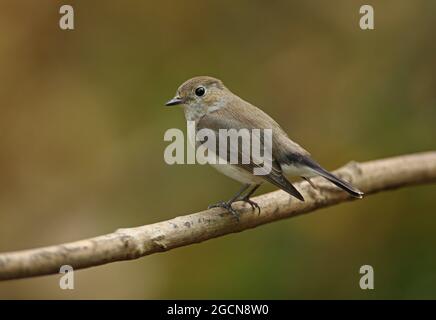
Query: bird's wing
[(221, 119)]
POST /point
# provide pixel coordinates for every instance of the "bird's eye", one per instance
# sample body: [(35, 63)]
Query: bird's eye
[(200, 91)]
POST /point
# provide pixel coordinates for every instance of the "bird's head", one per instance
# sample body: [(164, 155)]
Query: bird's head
[(200, 95)]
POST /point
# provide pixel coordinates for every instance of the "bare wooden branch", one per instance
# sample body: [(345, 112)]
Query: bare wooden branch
[(132, 243)]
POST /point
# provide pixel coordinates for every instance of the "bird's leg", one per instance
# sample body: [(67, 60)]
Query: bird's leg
[(310, 182), (246, 198), (228, 204)]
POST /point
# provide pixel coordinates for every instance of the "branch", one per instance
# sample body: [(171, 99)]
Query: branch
[(132, 243)]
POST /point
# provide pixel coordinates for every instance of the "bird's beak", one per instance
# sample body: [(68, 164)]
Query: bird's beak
[(174, 101)]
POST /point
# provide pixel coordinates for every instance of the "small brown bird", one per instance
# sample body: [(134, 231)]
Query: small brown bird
[(208, 103)]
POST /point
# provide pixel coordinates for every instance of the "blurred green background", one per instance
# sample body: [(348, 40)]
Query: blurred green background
[(81, 137)]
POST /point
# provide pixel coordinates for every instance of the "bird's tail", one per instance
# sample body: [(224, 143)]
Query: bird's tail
[(331, 177)]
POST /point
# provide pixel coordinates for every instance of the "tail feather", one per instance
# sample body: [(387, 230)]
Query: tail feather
[(307, 161), (340, 183)]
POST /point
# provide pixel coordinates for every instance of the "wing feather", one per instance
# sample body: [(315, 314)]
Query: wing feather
[(224, 118)]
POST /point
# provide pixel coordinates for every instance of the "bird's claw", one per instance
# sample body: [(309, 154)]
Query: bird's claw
[(227, 206), (253, 204), (311, 183)]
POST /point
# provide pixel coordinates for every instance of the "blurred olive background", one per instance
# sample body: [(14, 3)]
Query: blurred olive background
[(82, 124)]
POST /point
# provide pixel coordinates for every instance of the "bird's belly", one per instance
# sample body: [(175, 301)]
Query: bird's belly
[(237, 173)]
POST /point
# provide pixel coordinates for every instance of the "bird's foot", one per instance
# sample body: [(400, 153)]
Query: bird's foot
[(253, 204), (227, 206)]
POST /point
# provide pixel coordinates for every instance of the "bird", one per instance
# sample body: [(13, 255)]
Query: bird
[(211, 105)]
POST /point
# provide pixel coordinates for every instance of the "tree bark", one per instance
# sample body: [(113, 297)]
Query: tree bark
[(132, 243)]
